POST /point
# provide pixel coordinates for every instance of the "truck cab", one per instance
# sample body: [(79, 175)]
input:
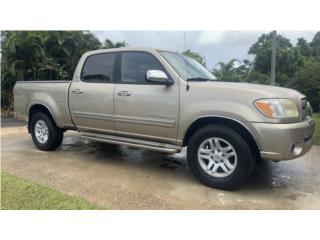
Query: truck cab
[(163, 101)]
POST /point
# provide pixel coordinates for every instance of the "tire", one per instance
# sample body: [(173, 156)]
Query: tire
[(207, 165), (54, 136)]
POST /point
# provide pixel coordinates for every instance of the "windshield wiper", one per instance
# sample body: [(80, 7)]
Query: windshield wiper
[(200, 79)]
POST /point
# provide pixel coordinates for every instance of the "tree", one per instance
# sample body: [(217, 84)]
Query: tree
[(196, 56), (45, 54), (20, 51), (315, 46), (227, 71), (32, 55), (262, 51), (110, 44), (256, 77), (307, 81), (66, 48), (303, 47), (51, 55), (288, 59)]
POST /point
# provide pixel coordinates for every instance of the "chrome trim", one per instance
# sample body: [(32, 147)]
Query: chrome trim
[(41, 131), (77, 91), (304, 108), (269, 155), (116, 133), (162, 147), (156, 74), (217, 154)]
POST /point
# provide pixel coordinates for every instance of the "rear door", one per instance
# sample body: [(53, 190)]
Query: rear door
[(91, 97), (144, 109)]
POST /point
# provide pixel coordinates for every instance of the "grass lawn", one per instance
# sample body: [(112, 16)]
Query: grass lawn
[(18, 193), (316, 117)]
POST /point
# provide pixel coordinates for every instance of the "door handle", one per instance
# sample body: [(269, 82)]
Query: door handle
[(124, 93), (77, 91)]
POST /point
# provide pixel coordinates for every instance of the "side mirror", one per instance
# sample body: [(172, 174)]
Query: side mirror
[(157, 76)]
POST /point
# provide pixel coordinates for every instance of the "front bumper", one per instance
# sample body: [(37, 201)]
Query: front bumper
[(284, 141)]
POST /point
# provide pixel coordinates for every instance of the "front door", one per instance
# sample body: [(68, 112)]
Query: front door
[(144, 109), (91, 97)]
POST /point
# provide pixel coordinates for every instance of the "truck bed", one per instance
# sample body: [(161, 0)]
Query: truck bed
[(52, 94)]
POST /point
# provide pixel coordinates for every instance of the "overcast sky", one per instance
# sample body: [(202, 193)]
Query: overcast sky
[(214, 45)]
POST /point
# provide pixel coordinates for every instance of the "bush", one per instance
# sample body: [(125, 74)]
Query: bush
[(307, 81)]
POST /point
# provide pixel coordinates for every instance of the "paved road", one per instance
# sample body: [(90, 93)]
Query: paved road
[(127, 178), (11, 122)]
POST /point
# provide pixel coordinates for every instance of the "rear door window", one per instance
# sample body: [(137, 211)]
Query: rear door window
[(99, 68)]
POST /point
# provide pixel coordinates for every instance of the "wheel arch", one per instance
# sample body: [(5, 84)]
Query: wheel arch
[(35, 108), (234, 124)]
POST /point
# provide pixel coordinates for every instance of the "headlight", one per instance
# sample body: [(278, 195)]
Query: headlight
[(277, 108)]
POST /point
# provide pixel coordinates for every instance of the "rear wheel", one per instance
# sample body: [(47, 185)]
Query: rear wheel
[(45, 134), (220, 157)]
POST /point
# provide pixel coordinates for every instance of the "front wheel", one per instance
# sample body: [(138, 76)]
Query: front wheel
[(45, 134), (220, 157)]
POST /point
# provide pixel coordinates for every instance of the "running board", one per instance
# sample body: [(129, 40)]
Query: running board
[(156, 146)]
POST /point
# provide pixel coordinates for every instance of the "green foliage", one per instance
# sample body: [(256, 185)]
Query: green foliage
[(307, 81), (296, 66), (303, 47), (227, 71), (315, 46), (256, 77), (196, 56), (20, 194), (316, 117), (109, 44), (288, 58), (32, 55), (48, 55)]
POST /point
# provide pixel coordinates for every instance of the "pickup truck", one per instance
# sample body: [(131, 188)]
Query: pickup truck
[(163, 101)]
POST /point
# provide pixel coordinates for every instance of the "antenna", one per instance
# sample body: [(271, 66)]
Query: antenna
[(185, 49)]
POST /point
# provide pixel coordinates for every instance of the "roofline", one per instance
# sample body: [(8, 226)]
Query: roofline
[(143, 49)]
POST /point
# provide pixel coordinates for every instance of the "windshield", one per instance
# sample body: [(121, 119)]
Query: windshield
[(186, 67)]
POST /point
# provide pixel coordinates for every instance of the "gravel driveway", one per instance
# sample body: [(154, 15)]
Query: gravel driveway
[(126, 178)]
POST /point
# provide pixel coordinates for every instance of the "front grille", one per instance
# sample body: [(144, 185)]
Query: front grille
[(305, 109)]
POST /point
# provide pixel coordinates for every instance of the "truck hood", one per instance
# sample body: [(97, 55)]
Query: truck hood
[(247, 90), (234, 100)]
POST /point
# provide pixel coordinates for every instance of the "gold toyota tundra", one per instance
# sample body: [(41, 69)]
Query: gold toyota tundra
[(162, 100)]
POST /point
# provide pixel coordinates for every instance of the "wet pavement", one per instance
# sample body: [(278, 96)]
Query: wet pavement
[(11, 122), (118, 177)]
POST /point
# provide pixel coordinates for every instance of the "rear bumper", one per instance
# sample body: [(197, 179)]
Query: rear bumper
[(284, 141)]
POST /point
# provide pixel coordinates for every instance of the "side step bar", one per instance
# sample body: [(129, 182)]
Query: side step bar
[(156, 146)]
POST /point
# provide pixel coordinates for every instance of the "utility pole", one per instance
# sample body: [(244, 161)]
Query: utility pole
[(273, 58)]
